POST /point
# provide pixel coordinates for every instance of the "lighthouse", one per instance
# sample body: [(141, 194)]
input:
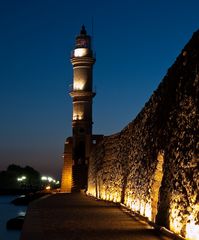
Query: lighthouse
[(78, 147), (82, 59)]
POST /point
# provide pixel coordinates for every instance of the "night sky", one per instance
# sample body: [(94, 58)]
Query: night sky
[(136, 41)]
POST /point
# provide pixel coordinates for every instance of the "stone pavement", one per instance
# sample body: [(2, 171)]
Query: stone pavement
[(79, 217)]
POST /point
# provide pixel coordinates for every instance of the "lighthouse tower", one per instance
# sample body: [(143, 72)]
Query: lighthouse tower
[(77, 148), (82, 95)]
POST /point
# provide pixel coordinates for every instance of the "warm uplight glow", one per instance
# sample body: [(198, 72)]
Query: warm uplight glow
[(192, 229), (145, 209), (78, 85), (142, 207), (156, 184), (91, 191), (186, 225), (114, 196), (175, 220), (66, 183), (77, 116), (48, 187), (148, 211), (80, 52), (104, 194), (117, 197), (133, 204)]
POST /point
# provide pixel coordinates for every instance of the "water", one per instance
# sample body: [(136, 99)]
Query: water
[(8, 211)]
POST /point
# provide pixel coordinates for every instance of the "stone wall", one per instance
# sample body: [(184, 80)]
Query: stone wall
[(152, 165)]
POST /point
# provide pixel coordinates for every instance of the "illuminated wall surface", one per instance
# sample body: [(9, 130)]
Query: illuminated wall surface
[(152, 165)]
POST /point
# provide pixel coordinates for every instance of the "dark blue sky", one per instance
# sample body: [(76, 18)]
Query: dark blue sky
[(136, 41)]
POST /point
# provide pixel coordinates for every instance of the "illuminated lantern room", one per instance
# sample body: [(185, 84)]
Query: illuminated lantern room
[(82, 53)]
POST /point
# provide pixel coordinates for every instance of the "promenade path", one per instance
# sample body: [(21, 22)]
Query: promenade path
[(79, 217)]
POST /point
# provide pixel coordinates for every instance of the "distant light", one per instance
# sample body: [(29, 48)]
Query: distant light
[(43, 178), (57, 182), (50, 179), (48, 187), (21, 213), (21, 178), (47, 178)]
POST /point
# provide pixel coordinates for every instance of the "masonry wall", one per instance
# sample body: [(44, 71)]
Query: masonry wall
[(152, 165)]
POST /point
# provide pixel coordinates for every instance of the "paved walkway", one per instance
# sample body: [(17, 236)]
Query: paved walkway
[(78, 217)]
